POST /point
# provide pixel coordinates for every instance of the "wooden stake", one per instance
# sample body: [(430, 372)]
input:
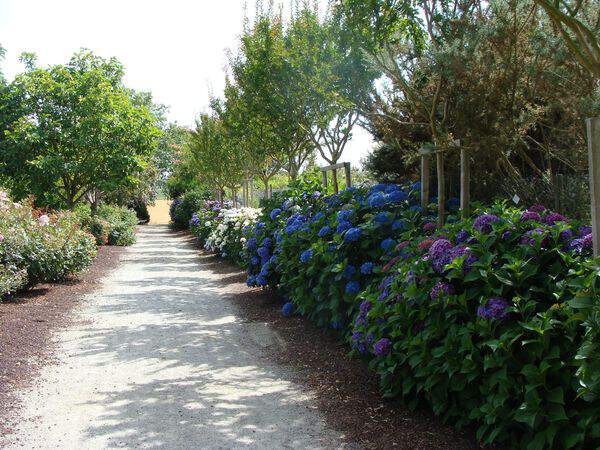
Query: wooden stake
[(465, 180), (348, 174), (424, 181), (324, 175), (593, 136), (334, 180), (441, 191)]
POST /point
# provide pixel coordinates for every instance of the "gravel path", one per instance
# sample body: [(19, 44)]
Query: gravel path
[(159, 359)]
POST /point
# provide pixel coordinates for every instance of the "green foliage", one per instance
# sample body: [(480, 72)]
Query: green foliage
[(183, 208), (72, 130), (111, 225)]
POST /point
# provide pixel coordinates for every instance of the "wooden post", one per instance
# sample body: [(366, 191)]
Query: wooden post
[(441, 185), (324, 175), (593, 137), (334, 180), (424, 181), (270, 191), (348, 174), (251, 191), (465, 180)]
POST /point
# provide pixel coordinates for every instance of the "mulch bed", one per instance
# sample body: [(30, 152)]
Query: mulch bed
[(347, 392), (26, 325)]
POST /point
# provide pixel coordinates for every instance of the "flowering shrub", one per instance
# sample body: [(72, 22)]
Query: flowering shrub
[(228, 236), (181, 209), (492, 321), (203, 220), (37, 248), (488, 318), (321, 252)]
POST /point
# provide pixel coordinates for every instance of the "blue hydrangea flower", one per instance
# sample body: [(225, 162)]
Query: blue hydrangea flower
[(263, 252), (252, 243), (381, 217), (337, 325), (306, 255), (267, 242), (343, 226), (397, 196), (352, 235), (398, 225), (388, 244), (254, 260), (353, 287), (251, 280), (287, 309), (344, 215), (377, 200), (367, 268), (349, 272), (275, 213), (261, 280), (325, 231)]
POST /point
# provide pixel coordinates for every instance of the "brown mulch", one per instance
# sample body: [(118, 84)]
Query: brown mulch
[(26, 325), (347, 392)]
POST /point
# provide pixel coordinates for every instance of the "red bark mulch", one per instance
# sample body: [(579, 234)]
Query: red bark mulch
[(26, 325)]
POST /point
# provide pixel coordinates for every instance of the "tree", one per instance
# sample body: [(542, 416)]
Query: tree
[(581, 38), (74, 130)]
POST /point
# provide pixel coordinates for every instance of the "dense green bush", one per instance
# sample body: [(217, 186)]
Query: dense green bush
[(183, 208), (112, 225), (37, 248)]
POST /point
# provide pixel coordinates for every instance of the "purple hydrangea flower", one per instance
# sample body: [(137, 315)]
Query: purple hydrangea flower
[(584, 230), (429, 227), (506, 235), (483, 223), (554, 217), (530, 215), (538, 208), (382, 347), (365, 307), (441, 288), (439, 248), (582, 245), (462, 236), (495, 308)]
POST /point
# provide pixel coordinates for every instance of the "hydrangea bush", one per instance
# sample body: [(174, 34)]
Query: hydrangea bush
[(203, 221), (490, 322), (228, 237), (36, 247)]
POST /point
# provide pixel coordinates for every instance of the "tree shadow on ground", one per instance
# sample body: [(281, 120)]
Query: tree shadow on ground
[(199, 376)]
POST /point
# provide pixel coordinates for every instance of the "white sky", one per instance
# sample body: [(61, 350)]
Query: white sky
[(173, 48)]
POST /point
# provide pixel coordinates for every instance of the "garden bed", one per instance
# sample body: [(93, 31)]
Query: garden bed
[(26, 325)]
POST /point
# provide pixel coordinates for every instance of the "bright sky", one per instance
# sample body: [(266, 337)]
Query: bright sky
[(176, 49)]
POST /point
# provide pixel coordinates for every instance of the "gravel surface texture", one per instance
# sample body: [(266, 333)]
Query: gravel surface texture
[(159, 357)]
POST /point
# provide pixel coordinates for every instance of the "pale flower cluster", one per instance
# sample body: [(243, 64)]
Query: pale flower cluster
[(229, 228)]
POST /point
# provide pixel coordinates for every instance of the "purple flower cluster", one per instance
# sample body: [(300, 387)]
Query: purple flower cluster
[(382, 347), (441, 289), (483, 223), (495, 308)]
